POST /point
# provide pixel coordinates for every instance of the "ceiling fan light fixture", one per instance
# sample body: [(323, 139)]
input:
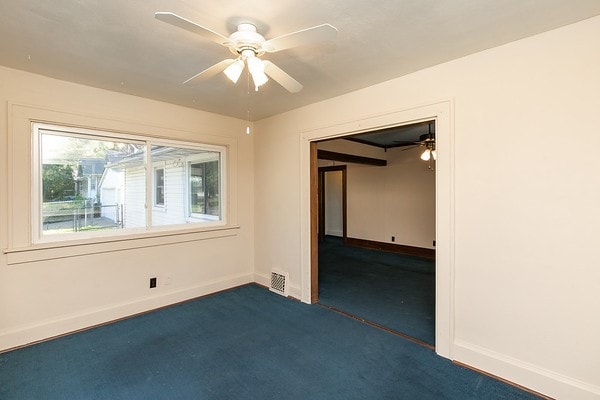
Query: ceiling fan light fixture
[(259, 79), (426, 155), (257, 70), (234, 71), (434, 154)]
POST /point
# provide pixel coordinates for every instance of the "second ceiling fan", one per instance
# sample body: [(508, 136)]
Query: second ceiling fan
[(427, 140), (249, 46)]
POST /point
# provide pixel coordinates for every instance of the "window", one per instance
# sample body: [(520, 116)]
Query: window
[(204, 189), (94, 183), (159, 187)]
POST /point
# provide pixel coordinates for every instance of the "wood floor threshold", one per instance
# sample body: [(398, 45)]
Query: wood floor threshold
[(378, 326)]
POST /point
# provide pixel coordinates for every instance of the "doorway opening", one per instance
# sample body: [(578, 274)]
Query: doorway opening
[(373, 242)]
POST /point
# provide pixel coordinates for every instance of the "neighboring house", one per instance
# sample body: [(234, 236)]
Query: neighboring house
[(185, 187), (112, 198), (89, 172)]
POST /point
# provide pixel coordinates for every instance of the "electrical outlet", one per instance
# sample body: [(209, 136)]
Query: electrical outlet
[(152, 283), (393, 238)]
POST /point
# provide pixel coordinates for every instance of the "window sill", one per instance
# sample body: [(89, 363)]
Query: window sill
[(74, 248), (203, 218)]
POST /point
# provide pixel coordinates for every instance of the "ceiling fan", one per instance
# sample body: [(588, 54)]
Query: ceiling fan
[(249, 46), (428, 141)]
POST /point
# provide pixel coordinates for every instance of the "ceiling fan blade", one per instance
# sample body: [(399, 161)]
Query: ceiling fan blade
[(209, 72), (400, 143), (190, 26), (282, 77), (320, 33), (407, 147)]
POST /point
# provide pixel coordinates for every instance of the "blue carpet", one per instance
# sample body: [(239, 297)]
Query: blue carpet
[(392, 290), (246, 343)]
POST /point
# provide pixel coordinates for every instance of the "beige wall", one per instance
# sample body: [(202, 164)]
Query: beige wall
[(334, 203), (396, 200), (46, 291), (523, 277)]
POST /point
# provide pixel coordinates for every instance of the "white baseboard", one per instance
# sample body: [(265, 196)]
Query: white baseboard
[(262, 279), (70, 323), (525, 374)]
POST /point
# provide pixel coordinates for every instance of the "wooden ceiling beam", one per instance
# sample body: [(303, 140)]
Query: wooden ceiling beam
[(349, 158)]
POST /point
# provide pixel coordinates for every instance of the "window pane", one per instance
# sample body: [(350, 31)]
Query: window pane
[(159, 187), (184, 191), (213, 206), (83, 184), (98, 181), (204, 189)]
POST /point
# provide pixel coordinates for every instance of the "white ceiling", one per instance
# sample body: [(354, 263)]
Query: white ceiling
[(118, 45)]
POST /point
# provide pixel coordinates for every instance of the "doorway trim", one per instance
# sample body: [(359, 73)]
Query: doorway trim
[(442, 113)]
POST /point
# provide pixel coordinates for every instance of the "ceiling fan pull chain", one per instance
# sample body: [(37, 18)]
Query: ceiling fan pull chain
[(247, 102)]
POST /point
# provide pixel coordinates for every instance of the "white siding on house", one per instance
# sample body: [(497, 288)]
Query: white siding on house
[(174, 210), (134, 211)]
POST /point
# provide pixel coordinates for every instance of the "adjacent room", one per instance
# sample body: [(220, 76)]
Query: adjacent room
[(195, 196), (376, 228)]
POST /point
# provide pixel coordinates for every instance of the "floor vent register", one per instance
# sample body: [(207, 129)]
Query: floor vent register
[(279, 283)]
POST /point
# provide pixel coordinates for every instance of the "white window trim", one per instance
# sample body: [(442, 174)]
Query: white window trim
[(37, 237)]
